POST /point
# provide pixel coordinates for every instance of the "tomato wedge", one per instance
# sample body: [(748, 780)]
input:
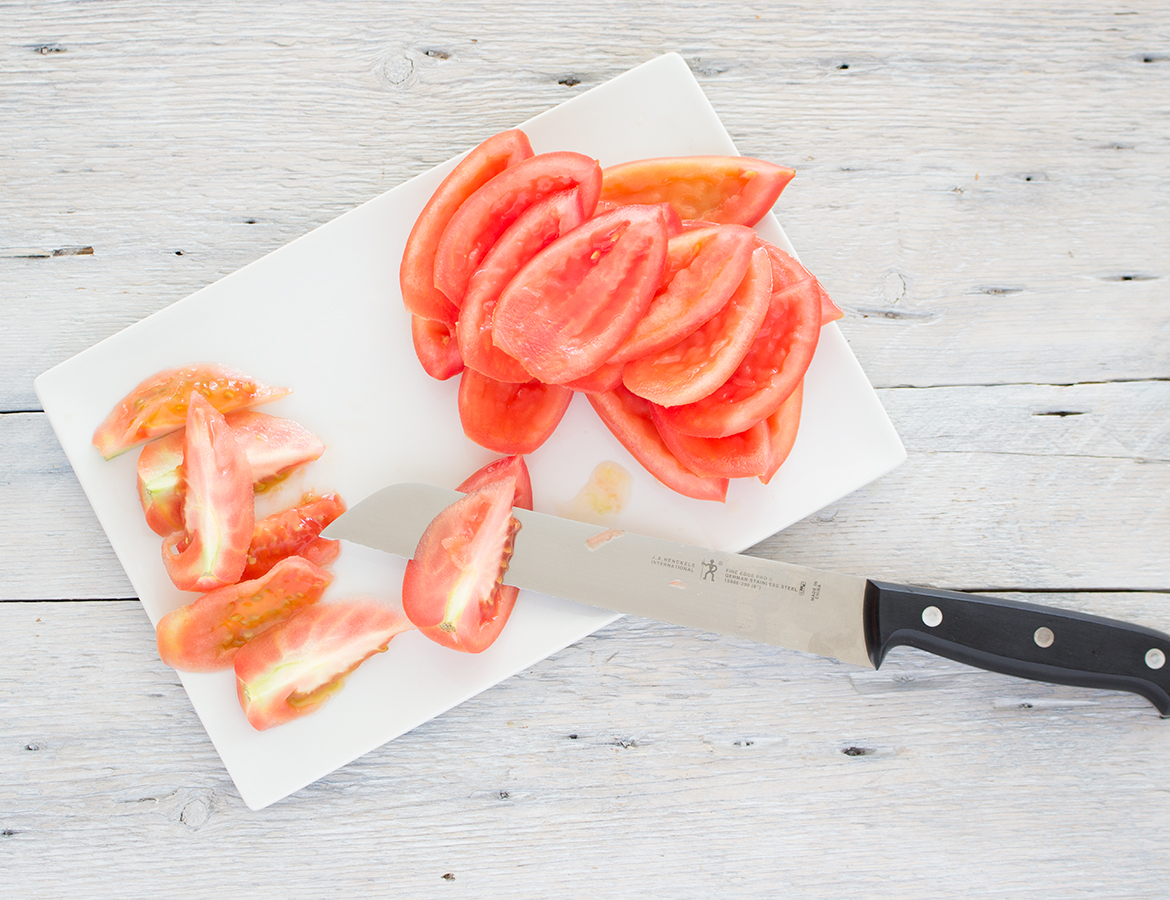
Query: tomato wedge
[(417, 272), (630, 420), (830, 311), (510, 418), (723, 189), (436, 347), (274, 447), (290, 532), (212, 548), (293, 668), (453, 588), (158, 405), (698, 364), (204, 635), (736, 456), (774, 365), (704, 266), (783, 425), (505, 467), (487, 213), (575, 302), (536, 228)]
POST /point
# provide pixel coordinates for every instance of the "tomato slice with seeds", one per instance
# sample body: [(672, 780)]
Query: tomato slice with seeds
[(510, 418), (505, 467), (212, 548), (205, 635), (436, 347), (698, 364), (575, 302), (453, 588), (774, 365), (743, 455), (158, 405), (289, 532), (629, 419), (704, 266), (783, 426), (486, 214), (536, 228), (416, 274), (293, 668), (722, 189)]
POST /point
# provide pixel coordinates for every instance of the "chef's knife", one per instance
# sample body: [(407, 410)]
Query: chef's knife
[(848, 617)]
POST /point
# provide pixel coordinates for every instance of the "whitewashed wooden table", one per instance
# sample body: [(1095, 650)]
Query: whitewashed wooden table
[(984, 188)]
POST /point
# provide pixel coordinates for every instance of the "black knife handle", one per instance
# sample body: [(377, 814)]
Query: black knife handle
[(1021, 639)]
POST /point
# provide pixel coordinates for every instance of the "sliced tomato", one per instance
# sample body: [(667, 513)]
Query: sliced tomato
[(274, 447), (575, 302), (453, 588), (723, 189), (158, 405), (289, 532), (773, 366), (204, 635), (293, 668), (830, 311), (510, 418), (599, 381), (630, 420), (704, 266), (782, 426), (505, 467), (436, 347), (536, 228), (417, 272), (743, 455), (698, 364), (487, 213), (322, 552), (212, 548)]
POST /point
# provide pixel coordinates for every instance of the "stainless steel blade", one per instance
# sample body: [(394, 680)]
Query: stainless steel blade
[(771, 602)]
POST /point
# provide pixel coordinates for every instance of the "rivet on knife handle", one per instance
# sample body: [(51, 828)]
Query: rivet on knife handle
[(1020, 639)]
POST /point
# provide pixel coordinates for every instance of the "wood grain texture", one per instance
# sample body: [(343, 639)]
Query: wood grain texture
[(982, 187)]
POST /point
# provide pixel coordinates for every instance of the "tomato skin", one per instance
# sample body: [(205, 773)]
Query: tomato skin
[(453, 589), (830, 311), (158, 405), (783, 426), (218, 514), (774, 365), (416, 274), (743, 455), (486, 214), (698, 364), (704, 266), (510, 418), (536, 228), (436, 347), (205, 635), (289, 532), (575, 302), (293, 668), (160, 483), (629, 418), (722, 189), (505, 467)]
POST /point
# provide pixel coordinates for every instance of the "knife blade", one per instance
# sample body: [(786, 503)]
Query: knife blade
[(847, 617)]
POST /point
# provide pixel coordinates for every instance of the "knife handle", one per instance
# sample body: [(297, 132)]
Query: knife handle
[(1021, 639)]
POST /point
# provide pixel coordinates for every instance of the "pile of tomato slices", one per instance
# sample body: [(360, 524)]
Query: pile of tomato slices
[(643, 286)]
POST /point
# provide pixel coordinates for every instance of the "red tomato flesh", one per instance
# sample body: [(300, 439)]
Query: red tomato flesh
[(743, 455), (288, 533), (204, 635), (774, 365), (507, 467), (510, 418), (782, 426), (704, 266), (600, 381), (158, 405), (436, 347), (293, 668), (486, 214), (630, 420), (722, 189), (160, 483), (698, 364), (575, 302), (453, 588), (830, 311), (536, 228), (417, 271), (218, 514)]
